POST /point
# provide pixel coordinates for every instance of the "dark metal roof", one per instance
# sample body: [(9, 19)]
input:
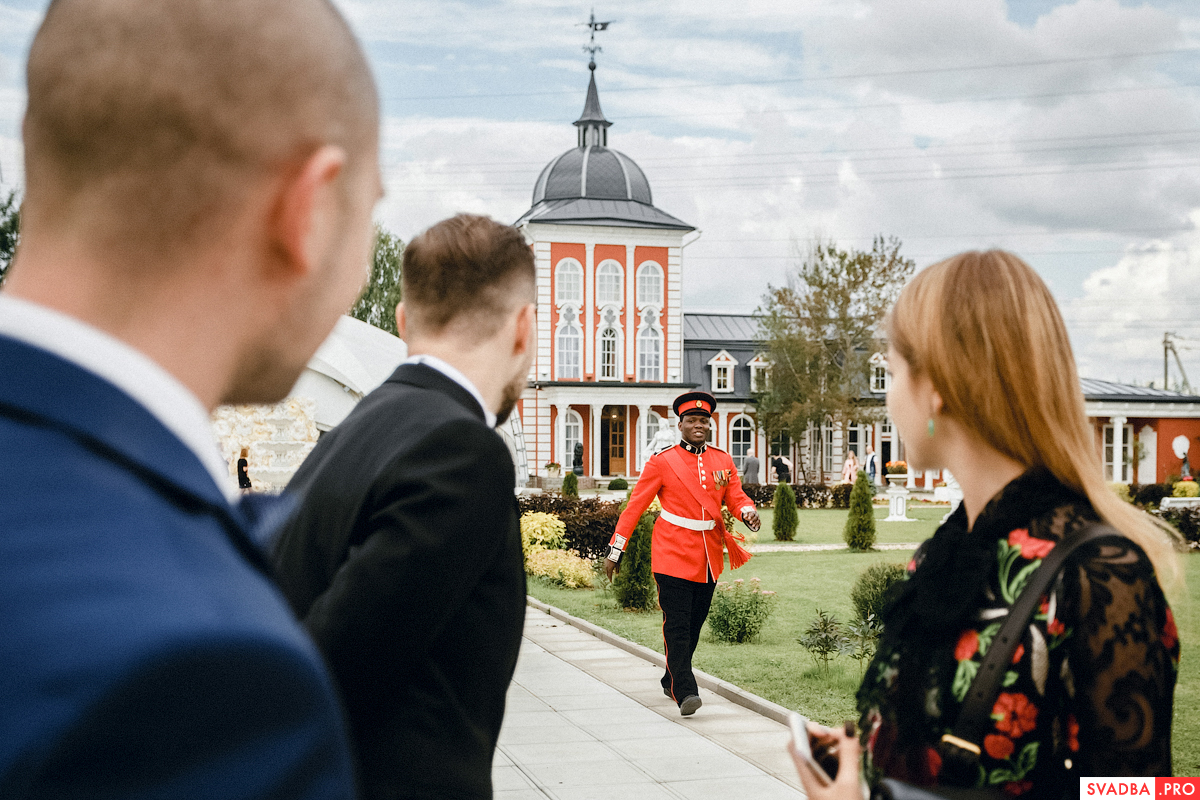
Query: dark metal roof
[(1123, 393), (592, 171), (588, 211), (720, 327)]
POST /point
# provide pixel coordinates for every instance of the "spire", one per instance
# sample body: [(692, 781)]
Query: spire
[(593, 127)]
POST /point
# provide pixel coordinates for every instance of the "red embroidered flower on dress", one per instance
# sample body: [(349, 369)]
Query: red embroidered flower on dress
[(998, 747), (1016, 788), (1017, 716), (1020, 651), (1170, 634), (968, 645), (1072, 733), (1031, 546), (1056, 627), (933, 762)]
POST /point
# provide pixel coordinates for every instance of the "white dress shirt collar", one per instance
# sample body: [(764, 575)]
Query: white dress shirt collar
[(455, 375), (162, 394)]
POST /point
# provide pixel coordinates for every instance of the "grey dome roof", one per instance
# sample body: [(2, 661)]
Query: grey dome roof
[(595, 172)]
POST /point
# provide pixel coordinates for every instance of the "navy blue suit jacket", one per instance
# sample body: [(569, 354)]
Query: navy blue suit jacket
[(144, 651)]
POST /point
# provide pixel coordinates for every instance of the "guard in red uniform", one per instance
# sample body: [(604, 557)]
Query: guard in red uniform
[(692, 480)]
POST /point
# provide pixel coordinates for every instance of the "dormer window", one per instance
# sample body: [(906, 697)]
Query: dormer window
[(760, 373), (722, 365), (881, 381)]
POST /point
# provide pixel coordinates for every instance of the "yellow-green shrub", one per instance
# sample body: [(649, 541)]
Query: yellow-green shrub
[(562, 567), (1121, 490), (541, 531), (1186, 489)]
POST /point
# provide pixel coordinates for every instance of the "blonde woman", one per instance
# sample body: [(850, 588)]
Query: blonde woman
[(850, 468), (984, 384)]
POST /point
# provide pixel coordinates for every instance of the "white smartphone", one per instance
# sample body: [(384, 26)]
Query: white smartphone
[(799, 726)]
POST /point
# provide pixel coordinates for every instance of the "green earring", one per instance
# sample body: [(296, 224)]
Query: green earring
[(929, 427)]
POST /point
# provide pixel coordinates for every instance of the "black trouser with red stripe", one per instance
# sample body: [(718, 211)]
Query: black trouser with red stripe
[(685, 607)]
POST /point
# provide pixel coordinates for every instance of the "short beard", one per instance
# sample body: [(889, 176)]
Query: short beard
[(508, 400)]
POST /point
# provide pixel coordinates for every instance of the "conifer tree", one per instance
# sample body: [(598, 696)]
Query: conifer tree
[(859, 532), (786, 516), (570, 485), (633, 584)]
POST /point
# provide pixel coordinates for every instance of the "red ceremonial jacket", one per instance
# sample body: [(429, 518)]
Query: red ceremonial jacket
[(676, 477)]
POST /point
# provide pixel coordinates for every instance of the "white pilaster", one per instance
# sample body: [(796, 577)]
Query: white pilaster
[(1118, 424), (589, 310), (722, 436), (642, 435), (631, 315), (560, 430), (596, 410)]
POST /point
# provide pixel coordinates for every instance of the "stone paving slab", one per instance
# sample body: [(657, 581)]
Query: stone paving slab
[(586, 720)]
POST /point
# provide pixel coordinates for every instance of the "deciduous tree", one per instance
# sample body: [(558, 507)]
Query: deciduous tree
[(10, 231), (377, 304)]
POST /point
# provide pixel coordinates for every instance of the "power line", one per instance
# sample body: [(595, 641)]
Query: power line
[(810, 79)]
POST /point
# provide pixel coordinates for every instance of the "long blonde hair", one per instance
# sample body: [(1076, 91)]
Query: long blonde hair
[(983, 327)]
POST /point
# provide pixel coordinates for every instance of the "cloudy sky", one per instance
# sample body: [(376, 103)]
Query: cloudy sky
[(1066, 132)]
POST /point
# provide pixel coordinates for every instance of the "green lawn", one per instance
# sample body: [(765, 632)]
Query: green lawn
[(779, 669), (824, 525)]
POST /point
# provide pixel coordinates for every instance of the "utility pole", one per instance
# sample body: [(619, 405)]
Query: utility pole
[(1169, 338)]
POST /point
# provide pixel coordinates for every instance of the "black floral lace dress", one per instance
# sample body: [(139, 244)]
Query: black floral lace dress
[(1091, 685)]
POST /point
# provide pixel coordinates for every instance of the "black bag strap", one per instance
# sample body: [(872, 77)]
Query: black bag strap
[(975, 716)]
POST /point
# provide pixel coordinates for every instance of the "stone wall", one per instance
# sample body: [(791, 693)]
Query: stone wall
[(279, 438)]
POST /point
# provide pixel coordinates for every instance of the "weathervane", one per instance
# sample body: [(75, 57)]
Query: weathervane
[(591, 48)]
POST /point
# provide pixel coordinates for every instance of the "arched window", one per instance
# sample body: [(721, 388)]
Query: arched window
[(649, 355), (570, 352), (741, 440), (651, 429), (568, 283), (609, 370), (608, 284), (649, 285), (572, 435)]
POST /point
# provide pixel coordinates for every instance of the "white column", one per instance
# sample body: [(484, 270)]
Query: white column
[(595, 428), (631, 316), (929, 479), (557, 452), (1118, 424), (589, 310), (642, 436), (722, 437)]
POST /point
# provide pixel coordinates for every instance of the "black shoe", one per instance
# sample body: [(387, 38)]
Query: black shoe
[(689, 705), (667, 692)]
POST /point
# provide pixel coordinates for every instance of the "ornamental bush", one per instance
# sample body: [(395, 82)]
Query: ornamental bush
[(1186, 489), (561, 567), (590, 523), (541, 531), (633, 585), (824, 640), (1149, 495), (570, 487), (786, 517), (839, 495), (1186, 520), (739, 611), (859, 532), (618, 484), (871, 588), (1121, 490)]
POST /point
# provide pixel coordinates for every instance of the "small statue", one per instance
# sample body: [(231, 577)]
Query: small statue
[(663, 439), (577, 459)]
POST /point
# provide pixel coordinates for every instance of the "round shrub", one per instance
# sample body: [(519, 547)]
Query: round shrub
[(871, 587), (739, 611), (633, 585), (1121, 490), (859, 532), (1186, 489), (561, 567), (618, 484), (570, 486), (786, 516), (541, 531), (1149, 495)]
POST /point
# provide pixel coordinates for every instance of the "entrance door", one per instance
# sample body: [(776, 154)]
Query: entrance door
[(612, 430)]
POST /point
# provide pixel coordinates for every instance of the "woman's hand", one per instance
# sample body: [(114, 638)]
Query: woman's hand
[(845, 786)]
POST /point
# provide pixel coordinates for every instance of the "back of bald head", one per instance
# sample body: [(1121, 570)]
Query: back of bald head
[(149, 121)]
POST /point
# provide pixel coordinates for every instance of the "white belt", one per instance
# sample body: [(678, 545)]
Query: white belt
[(690, 524)]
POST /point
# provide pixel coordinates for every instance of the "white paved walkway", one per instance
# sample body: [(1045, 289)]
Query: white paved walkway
[(588, 721)]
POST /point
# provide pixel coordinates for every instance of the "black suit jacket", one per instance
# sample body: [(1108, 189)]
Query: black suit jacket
[(404, 562)]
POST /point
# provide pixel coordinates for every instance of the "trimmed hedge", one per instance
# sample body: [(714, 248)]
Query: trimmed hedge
[(1186, 519), (807, 495), (590, 523), (1149, 495)]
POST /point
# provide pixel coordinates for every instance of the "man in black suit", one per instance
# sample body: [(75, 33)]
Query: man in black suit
[(404, 560)]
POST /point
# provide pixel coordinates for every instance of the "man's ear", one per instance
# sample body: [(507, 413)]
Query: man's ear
[(523, 335), (308, 209), (401, 321)]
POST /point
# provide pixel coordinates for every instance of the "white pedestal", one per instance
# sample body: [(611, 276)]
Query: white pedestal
[(897, 495)]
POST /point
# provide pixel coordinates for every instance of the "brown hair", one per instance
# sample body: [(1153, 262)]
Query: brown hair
[(152, 119), (466, 265), (983, 327)]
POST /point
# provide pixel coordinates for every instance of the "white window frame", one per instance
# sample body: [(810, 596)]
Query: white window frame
[(615, 338), (723, 360), (645, 271), (568, 264), (610, 268), (827, 447), (649, 372), (1126, 464), (760, 373), (570, 419), (734, 427), (881, 379), (560, 373)]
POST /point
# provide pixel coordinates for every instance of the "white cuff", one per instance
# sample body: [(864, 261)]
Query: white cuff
[(747, 508)]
